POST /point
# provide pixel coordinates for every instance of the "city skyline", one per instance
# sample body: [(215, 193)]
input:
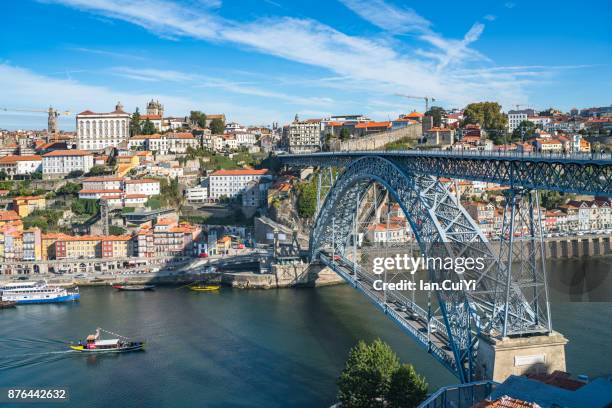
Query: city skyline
[(262, 62)]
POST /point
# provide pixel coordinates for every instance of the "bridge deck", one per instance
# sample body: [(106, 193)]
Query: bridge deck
[(580, 173), (408, 315)]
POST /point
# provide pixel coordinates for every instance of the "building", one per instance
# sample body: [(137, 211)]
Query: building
[(97, 131), (102, 183), (231, 183), (164, 144), (366, 128), (437, 136), (382, 233), (304, 136), (25, 205), (60, 163), (515, 117), (146, 187), (198, 194), (20, 165)]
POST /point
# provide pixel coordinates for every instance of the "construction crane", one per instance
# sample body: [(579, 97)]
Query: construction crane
[(426, 98), (52, 119)]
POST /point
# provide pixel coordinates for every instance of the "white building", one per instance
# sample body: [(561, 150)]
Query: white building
[(245, 139), (20, 165), (304, 136), (59, 163), (231, 183), (147, 187), (103, 183), (96, 131), (515, 117), (197, 194), (164, 144)]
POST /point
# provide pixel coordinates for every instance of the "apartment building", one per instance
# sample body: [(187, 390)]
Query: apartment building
[(231, 183), (304, 136)]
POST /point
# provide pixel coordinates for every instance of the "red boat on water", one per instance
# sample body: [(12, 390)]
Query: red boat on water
[(134, 287)]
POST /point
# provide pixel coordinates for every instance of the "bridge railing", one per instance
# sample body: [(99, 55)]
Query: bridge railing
[(476, 154)]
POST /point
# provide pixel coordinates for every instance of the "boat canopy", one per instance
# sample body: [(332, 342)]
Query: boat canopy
[(110, 342)]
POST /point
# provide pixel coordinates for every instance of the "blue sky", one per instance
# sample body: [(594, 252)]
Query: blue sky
[(260, 61)]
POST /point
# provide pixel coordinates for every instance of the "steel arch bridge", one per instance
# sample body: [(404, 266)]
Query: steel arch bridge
[(506, 301)]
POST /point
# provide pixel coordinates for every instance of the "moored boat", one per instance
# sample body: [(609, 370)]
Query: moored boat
[(204, 288), (37, 292), (93, 344), (134, 287)]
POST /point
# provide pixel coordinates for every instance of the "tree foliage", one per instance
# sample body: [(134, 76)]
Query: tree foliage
[(197, 118), (116, 230), (344, 134), (75, 174), (96, 171), (85, 206), (307, 199), (135, 123), (366, 379), (148, 128), (524, 130), (408, 389), (217, 127), (69, 189), (436, 112), (487, 114)]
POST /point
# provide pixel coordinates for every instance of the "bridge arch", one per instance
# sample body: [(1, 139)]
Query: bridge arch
[(442, 227)]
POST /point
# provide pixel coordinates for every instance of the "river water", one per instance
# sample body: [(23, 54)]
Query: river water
[(274, 348)]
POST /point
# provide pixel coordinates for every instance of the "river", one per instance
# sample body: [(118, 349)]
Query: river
[(259, 348)]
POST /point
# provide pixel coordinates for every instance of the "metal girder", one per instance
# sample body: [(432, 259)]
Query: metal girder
[(442, 228), (579, 173)]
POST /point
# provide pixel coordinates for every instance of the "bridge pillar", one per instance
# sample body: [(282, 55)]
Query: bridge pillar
[(498, 358)]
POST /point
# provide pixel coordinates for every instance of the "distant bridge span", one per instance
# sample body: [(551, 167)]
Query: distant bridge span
[(581, 173)]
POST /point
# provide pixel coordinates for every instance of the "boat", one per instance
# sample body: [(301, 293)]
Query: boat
[(94, 344), (6, 304), (37, 292), (205, 288), (134, 287)]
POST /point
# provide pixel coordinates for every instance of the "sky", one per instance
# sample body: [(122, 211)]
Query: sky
[(263, 61)]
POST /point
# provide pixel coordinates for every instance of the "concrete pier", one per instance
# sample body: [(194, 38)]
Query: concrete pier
[(499, 358)]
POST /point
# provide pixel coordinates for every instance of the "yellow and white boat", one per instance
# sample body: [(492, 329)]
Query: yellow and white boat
[(205, 288)]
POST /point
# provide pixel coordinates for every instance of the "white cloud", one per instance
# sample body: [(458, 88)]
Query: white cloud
[(372, 62), (21, 88), (107, 53), (388, 17), (490, 17)]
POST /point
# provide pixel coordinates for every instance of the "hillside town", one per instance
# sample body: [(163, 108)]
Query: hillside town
[(131, 185)]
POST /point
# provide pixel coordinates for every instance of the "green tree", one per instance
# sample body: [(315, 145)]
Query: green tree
[(436, 112), (148, 128), (198, 118), (96, 171), (116, 230), (487, 114), (69, 189), (524, 130), (366, 379), (217, 127), (74, 174), (307, 199), (344, 134), (407, 390), (3, 175), (135, 123)]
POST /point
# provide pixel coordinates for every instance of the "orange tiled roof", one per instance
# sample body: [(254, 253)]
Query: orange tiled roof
[(241, 172), (14, 158), (74, 152)]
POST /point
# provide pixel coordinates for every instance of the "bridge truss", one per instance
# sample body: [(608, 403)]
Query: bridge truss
[(506, 301)]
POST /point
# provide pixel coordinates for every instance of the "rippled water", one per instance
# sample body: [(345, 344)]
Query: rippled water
[(234, 348)]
